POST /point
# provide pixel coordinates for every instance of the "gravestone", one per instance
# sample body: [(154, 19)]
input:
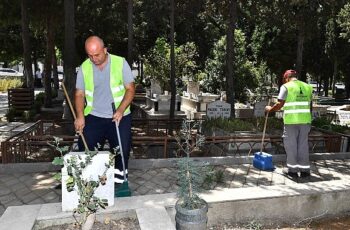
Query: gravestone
[(259, 108), (91, 172), (344, 117), (218, 109), (155, 88), (193, 87)]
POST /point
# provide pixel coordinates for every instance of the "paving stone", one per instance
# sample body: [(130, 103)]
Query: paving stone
[(6, 178), (153, 172), (4, 190), (28, 198), (166, 171), (2, 210), (37, 201), (49, 196), (143, 190), (12, 182), (7, 198), (41, 192), (18, 186), (55, 200), (150, 185), (25, 177), (22, 192), (146, 177), (14, 203), (140, 181)]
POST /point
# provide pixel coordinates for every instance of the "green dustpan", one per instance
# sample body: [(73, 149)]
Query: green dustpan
[(122, 190)]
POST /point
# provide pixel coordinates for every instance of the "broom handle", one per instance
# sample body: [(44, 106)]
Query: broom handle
[(263, 137), (75, 117), (119, 142)]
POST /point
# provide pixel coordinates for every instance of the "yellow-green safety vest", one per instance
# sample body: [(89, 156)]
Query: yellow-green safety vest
[(116, 82), (297, 105)]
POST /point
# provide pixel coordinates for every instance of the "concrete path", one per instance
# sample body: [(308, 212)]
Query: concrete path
[(38, 188)]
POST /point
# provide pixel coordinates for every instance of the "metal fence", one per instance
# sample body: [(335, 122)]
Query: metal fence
[(32, 144)]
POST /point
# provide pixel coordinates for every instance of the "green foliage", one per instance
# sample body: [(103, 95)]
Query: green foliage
[(219, 176), (190, 174), (344, 21), (229, 125), (325, 123), (11, 114), (245, 74), (157, 62), (10, 83), (88, 202), (236, 124), (212, 176), (273, 123)]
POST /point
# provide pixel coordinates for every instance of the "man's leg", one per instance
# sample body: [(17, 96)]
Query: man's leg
[(125, 136), (303, 149), (290, 134), (93, 133)]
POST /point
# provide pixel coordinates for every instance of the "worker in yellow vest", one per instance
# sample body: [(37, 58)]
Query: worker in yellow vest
[(104, 79), (296, 99)]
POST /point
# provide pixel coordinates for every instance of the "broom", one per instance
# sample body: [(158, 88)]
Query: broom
[(74, 116), (123, 190)]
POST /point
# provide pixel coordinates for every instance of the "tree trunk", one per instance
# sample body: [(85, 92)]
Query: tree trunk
[(54, 70), (335, 73), (172, 66), (230, 30), (300, 50), (347, 86), (28, 72), (130, 32), (48, 60), (69, 55), (90, 220)]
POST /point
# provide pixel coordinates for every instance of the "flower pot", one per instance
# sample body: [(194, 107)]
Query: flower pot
[(191, 219)]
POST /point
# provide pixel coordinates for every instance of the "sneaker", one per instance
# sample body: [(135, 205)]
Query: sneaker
[(293, 175), (305, 174)]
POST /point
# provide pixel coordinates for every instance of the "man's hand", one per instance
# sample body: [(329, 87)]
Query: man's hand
[(118, 115), (79, 124), (268, 108)]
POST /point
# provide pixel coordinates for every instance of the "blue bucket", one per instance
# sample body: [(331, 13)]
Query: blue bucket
[(263, 161)]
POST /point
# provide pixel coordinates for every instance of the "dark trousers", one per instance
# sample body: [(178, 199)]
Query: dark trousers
[(97, 130)]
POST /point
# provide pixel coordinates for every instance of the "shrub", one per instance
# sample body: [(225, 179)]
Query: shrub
[(10, 82)]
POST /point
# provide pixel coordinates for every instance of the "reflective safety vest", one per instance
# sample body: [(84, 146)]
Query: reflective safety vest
[(116, 82), (298, 102)]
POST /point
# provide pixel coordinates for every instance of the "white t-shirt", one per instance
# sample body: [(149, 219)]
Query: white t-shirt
[(38, 74)]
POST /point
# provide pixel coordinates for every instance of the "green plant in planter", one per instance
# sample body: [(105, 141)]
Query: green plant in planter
[(190, 208), (88, 203)]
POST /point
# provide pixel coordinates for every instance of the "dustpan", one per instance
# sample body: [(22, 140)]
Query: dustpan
[(262, 160), (122, 190)]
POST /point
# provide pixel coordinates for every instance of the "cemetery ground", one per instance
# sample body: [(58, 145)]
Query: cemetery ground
[(30, 184)]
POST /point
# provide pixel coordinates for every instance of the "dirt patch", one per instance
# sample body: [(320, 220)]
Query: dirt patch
[(108, 224), (328, 223)]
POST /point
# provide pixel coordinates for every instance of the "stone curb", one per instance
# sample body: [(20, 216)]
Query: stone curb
[(164, 163), (265, 204)]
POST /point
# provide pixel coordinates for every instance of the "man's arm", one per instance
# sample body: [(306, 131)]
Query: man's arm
[(79, 122), (276, 106), (128, 97)]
